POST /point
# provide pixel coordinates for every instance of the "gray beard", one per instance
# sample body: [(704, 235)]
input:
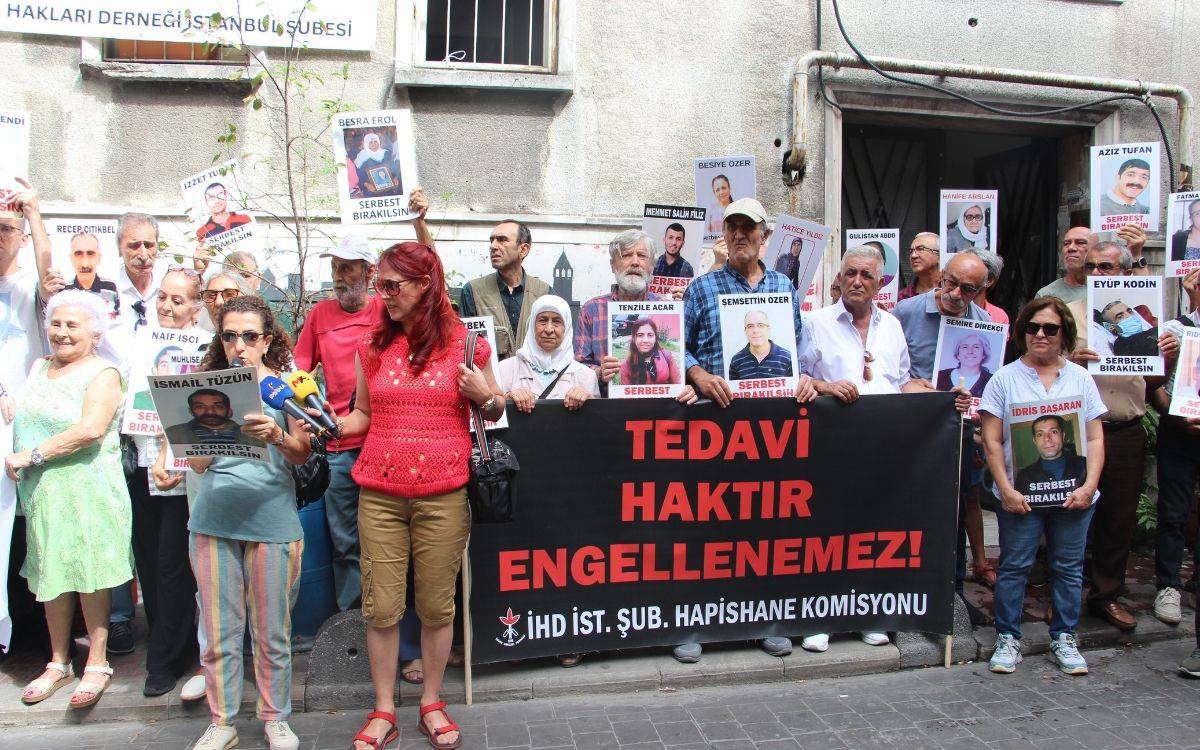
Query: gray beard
[(632, 285), (355, 296)]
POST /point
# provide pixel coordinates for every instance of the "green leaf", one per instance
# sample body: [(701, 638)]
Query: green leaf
[(258, 103), (214, 21)]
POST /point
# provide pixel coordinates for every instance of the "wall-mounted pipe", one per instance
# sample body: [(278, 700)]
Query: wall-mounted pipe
[(796, 157)]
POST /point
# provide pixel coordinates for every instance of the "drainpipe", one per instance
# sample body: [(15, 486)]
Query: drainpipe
[(794, 161)]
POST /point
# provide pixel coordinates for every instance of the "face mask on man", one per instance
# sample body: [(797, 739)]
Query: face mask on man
[(1132, 325)]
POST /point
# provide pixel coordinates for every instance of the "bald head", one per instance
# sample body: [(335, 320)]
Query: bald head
[(962, 280)]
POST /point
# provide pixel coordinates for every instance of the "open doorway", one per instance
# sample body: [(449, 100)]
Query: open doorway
[(892, 173)]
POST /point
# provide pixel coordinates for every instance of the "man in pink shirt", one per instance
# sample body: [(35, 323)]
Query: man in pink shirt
[(331, 334)]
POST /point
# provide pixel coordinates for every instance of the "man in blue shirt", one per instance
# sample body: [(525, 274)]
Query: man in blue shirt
[(761, 357), (744, 228), (962, 280)]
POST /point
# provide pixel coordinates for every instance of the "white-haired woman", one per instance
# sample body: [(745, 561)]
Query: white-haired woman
[(67, 462)]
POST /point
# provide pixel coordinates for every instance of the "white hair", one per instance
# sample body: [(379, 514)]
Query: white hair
[(864, 251), (627, 239), (93, 304)]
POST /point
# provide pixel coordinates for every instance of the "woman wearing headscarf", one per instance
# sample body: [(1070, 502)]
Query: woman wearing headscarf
[(378, 173), (545, 365), (969, 231), (648, 363)]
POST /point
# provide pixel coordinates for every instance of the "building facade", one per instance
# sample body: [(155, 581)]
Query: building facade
[(581, 111)]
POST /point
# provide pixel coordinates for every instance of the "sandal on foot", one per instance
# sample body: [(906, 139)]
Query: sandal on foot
[(413, 675), (91, 691), (434, 735), (378, 743), (47, 687)]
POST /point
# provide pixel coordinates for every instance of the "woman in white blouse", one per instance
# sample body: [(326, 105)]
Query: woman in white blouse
[(545, 366)]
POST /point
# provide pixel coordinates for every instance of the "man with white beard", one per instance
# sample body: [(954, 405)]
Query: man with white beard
[(631, 254)]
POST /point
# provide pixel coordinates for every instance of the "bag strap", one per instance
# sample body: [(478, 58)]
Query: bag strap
[(554, 382), (476, 415), (1186, 320)]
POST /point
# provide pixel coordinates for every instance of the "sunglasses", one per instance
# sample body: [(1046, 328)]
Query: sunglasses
[(1050, 329), (390, 287), (1106, 267), (250, 337), (210, 295)]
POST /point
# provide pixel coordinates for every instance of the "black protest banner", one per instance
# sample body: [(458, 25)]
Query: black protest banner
[(648, 523)]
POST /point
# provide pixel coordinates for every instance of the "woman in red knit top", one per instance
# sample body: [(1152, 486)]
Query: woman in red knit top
[(413, 400)]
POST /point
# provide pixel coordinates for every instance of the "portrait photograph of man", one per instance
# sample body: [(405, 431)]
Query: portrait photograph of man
[(212, 422), (221, 219), (760, 357), (1055, 459), (85, 259), (1126, 188)]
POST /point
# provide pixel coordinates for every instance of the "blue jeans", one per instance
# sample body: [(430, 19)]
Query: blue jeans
[(122, 603), (341, 514), (1066, 539)]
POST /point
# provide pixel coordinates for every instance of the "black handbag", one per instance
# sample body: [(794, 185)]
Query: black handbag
[(492, 487), (312, 476)]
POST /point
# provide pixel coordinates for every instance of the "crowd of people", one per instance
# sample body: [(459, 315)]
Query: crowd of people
[(217, 548)]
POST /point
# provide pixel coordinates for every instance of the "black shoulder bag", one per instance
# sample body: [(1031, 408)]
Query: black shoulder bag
[(491, 489), (312, 476)]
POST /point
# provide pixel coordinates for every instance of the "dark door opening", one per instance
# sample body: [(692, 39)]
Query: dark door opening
[(892, 175)]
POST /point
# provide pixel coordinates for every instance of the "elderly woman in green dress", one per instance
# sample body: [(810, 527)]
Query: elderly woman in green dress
[(67, 464)]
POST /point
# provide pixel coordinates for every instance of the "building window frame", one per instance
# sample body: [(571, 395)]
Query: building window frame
[(92, 60), (556, 76)]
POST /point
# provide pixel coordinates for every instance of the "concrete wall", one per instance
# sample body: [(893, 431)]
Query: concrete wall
[(656, 84)]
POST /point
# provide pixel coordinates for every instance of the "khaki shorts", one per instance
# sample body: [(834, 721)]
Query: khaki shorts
[(432, 532)]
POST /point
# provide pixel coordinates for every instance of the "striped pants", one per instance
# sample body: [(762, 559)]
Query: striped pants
[(231, 576)]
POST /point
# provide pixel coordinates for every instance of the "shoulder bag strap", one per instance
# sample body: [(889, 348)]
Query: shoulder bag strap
[(476, 415), (554, 382)]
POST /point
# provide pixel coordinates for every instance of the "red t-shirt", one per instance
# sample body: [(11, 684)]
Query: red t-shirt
[(330, 338), (419, 440)]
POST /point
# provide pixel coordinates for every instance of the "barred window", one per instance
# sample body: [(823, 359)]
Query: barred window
[(128, 50), (489, 34)]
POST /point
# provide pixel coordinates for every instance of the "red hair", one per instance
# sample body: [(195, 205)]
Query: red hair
[(434, 321)]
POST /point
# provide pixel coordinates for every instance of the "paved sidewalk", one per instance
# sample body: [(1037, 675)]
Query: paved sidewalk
[(1133, 698)]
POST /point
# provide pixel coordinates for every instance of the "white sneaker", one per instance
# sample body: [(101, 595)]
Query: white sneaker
[(194, 689), (217, 737), (1166, 606), (876, 639), (280, 736), (818, 643)]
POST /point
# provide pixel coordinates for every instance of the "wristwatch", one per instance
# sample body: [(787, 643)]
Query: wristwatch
[(36, 458), (279, 440), (1139, 262), (487, 405)]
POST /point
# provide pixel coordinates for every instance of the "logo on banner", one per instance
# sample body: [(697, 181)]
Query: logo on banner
[(509, 637)]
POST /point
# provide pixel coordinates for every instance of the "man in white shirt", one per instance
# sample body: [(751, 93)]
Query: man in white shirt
[(137, 284), (22, 341), (852, 348)]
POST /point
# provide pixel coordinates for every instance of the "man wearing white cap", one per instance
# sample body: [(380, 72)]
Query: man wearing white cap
[(330, 336), (745, 227)]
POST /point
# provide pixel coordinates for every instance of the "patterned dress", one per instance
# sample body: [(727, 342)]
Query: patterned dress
[(78, 519)]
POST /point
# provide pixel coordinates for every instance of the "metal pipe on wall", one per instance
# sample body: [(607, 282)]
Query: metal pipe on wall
[(796, 157)]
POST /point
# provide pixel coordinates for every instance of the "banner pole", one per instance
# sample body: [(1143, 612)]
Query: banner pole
[(467, 642), (949, 646)]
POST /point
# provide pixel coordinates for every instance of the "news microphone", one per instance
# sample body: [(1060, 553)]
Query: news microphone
[(306, 392), (279, 395), (236, 362)]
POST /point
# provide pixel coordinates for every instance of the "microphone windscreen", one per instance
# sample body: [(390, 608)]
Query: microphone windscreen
[(303, 385), (274, 391)]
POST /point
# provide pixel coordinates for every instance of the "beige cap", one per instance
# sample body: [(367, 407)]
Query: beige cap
[(747, 207)]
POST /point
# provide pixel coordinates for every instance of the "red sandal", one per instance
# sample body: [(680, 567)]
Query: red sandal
[(379, 743), (434, 734)]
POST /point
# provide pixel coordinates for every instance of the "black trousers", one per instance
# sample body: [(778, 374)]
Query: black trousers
[(160, 551)]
